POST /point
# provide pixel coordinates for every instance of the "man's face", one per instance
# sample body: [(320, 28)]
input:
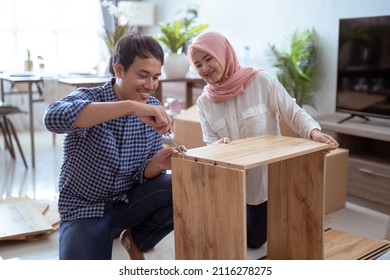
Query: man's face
[(139, 81)]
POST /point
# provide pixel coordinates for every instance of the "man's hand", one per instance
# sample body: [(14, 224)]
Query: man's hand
[(162, 161), (155, 116)]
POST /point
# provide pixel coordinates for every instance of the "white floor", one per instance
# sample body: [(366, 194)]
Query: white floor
[(40, 184)]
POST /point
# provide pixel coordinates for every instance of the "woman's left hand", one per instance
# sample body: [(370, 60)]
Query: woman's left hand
[(318, 136), (223, 140)]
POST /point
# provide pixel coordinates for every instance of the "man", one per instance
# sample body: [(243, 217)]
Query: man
[(113, 175)]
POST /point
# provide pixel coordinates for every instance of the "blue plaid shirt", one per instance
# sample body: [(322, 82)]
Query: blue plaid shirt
[(103, 162)]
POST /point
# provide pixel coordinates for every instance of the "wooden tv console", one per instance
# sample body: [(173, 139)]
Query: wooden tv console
[(369, 161)]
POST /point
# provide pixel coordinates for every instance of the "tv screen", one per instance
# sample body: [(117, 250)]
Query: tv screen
[(363, 75)]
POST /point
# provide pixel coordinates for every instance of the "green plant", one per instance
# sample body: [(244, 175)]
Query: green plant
[(175, 35), (298, 68), (110, 38), (190, 16), (122, 10), (28, 54)]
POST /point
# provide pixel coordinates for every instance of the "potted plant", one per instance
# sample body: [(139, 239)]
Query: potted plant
[(41, 63), (175, 36), (28, 63), (298, 68), (123, 13)]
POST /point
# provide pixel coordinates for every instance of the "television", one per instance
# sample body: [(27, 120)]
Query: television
[(363, 67)]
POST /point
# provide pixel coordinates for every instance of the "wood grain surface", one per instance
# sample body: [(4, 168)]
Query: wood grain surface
[(209, 211), (251, 152), (209, 198), (340, 245)]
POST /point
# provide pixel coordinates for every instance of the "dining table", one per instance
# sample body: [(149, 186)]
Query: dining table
[(190, 82)]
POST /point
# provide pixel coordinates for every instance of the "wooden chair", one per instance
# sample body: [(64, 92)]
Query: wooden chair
[(9, 131)]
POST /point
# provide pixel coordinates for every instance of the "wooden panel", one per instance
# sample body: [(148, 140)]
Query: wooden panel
[(254, 151), (278, 210), (296, 207), (209, 211), (336, 179), (20, 219), (387, 233), (341, 245)]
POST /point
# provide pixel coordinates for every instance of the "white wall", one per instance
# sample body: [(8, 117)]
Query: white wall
[(258, 23)]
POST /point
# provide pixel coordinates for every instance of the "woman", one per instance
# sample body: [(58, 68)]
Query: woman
[(242, 102)]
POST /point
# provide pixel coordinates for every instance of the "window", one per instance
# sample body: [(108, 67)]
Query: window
[(65, 33)]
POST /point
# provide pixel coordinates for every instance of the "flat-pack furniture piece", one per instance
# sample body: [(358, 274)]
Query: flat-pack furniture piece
[(209, 198)]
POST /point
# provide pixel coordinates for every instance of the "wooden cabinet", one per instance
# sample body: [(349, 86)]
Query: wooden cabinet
[(209, 198), (369, 159)]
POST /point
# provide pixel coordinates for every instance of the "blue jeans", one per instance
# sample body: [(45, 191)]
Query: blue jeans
[(149, 214)]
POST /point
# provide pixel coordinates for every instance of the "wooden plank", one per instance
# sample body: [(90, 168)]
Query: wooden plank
[(254, 151), (41, 206), (278, 210), (21, 219), (296, 208), (209, 211), (341, 245)]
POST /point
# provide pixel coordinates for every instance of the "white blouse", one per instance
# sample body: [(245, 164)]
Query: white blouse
[(255, 112)]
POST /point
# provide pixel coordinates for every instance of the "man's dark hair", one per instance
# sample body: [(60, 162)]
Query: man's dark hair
[(136, 44)]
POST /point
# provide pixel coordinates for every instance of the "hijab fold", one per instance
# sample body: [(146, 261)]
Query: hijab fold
[(235, 79)]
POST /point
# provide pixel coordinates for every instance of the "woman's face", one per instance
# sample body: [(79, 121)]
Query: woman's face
[(139, 81), (207, 66)]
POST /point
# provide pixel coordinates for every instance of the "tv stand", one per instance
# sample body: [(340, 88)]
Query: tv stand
[(369, 157), (353, 115)]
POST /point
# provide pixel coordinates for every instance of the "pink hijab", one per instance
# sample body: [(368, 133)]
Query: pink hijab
[(235, 79)]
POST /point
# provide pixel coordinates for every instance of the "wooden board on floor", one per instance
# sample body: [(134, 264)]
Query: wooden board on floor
[(21, 219), (340, 245), (41, 206)]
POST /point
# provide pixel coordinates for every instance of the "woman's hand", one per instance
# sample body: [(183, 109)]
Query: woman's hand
[(318, 136), (223, 140)]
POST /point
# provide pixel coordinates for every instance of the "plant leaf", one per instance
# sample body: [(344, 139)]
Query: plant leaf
[(298, 69)]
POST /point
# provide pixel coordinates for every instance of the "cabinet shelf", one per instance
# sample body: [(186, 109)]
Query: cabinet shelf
[(369, 158), (373, 71)]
